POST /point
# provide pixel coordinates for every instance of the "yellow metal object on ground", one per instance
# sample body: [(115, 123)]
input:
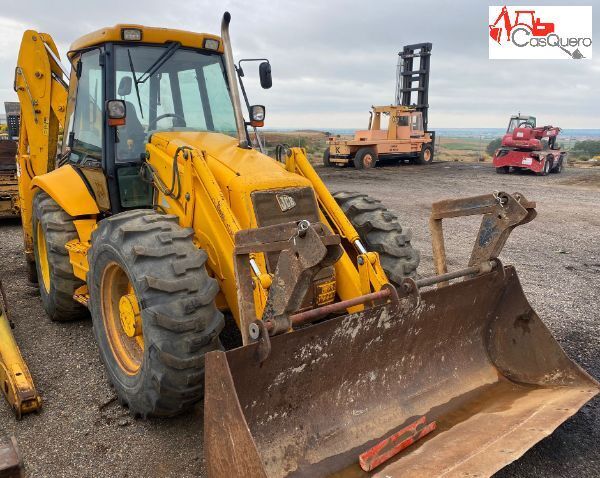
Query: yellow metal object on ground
[(15, 380), (122, 321)]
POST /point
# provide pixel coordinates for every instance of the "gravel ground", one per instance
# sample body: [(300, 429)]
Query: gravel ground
[(83, 432)]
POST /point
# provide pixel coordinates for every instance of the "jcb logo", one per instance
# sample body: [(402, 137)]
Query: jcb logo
[(285, 202)]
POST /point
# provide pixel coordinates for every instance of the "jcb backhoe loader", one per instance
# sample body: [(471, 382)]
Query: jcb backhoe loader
[(158, 216)]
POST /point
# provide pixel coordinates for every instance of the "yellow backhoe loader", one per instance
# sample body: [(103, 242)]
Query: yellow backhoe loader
[(156, 216)]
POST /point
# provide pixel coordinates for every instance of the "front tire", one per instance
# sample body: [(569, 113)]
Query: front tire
[(380, 232), (365, 158), (426, 155), (502, 170), (153, 310), (52, 228), (546, 168)]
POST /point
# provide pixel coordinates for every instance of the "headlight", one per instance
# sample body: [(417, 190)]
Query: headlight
[(117, 112), (210, 44), (131, 34), (257, 113)]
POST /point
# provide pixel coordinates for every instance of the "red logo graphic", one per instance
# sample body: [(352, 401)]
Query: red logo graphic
[(525, 19)]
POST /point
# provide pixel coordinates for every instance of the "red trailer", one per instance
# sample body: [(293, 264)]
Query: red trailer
[(528, 147)]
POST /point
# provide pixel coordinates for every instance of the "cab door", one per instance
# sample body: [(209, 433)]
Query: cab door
[(83, 141)]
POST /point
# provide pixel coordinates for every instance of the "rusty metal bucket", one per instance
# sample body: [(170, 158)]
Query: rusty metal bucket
[(472, 357)]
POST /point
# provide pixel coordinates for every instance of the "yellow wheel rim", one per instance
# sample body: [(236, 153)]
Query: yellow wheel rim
[(122, 319), (43, 256), (427, 155)]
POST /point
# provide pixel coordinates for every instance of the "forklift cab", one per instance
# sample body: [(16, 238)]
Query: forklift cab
[(403, 122), (520, 121)]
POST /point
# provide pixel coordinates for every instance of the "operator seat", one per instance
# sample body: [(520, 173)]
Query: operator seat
[(132, 136)]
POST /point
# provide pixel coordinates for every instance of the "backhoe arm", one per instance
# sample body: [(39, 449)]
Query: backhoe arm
[(42, 93)]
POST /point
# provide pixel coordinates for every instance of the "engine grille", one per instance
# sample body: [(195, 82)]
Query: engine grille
[(284, 205)]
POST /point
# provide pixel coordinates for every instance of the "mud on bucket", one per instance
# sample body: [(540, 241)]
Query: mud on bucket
[(473, 358)]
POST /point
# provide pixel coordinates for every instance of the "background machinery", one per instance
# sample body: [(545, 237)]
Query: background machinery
[(397, 131), (526, 146), (157, 218), (9, 195)]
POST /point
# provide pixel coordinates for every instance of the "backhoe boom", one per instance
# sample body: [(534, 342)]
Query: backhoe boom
[(42, 93)]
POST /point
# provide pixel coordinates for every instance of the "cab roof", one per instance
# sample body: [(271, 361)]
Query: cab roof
[(149, 35), (393, 109)]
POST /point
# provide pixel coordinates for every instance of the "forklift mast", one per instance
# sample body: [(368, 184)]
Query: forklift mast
[(410, 72)]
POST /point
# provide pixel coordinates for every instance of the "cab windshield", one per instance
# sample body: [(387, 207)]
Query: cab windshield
[(178, 89), (528, 122)]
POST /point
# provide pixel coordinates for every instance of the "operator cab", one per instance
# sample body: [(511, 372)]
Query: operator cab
[(128, 82), (399, 122), (520, 121)]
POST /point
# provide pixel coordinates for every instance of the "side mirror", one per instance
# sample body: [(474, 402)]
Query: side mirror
[(257, 116), (264, 69), (117, 112)]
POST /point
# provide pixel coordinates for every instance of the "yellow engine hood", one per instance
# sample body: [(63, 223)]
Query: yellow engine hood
[(231, 164), (239, 172)]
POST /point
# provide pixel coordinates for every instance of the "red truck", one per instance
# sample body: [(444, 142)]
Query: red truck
[(528, 147)]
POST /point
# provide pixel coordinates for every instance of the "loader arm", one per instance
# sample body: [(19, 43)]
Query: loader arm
[(200, 203), (367, 275), (39, 83)]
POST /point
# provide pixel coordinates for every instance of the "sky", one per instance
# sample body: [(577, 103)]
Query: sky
[(332, 59)]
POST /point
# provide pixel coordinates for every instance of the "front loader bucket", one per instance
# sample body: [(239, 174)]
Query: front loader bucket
[(472, 360)]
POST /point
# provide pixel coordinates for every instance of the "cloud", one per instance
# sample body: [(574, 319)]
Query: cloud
[(333, 60)]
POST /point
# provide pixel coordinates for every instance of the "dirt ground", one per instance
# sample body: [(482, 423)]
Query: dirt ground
[(83, 432)]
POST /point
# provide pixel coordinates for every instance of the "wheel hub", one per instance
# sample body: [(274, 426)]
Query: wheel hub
[(129, 314)]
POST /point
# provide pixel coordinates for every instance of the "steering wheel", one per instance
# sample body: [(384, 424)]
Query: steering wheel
[(525, 124), (152, 125)]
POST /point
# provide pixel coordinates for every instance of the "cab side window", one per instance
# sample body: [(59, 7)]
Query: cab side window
[(88, 119)]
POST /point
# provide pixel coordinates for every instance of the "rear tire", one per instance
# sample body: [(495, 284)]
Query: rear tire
[(326, 161), (502, 170), (426, 155), (546, 168), (559, 166), (365, 158), (380, 232), (157, 262), (52, 229)]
